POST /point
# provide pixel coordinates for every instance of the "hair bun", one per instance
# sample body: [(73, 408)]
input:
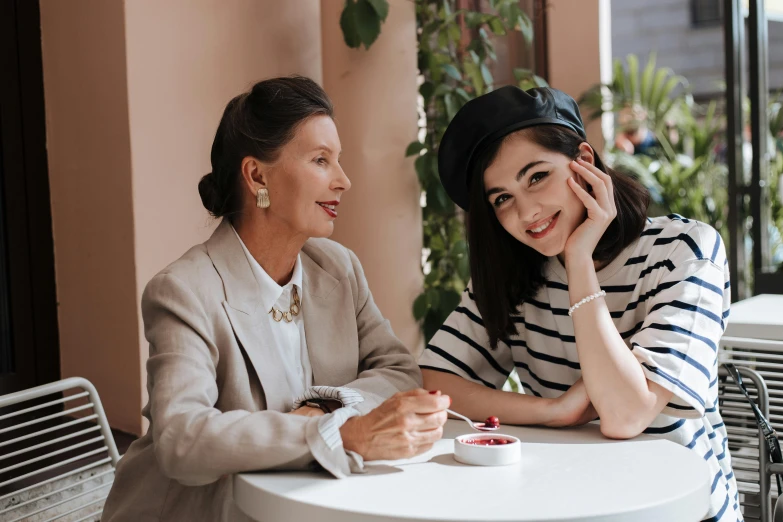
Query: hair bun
[(258, 124), (210, 194)]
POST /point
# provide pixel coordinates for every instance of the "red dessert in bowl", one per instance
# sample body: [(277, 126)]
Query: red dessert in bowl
[(494, 441), (487, 449)]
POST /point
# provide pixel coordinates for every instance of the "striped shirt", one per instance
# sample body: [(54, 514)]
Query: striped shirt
[(669, 297)]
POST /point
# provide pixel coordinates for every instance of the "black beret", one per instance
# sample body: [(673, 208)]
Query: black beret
[(488, 118)]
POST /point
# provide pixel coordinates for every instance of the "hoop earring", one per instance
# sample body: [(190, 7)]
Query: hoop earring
[(262, 198)]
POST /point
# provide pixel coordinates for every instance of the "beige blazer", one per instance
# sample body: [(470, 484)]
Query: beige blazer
[(216, 389)]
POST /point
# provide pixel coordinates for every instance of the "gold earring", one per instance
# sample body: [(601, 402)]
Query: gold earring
[(262, 198)]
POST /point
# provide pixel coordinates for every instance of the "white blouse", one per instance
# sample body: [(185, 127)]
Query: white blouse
[(291, 344), (287, 338)]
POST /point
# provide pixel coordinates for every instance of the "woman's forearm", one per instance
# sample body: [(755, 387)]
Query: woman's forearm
[(479, 402), (625, 400)]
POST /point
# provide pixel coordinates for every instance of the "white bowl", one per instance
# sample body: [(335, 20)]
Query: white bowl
[(483, 455)]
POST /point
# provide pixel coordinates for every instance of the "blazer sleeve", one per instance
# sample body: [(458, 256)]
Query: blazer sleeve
[(385, 364), (194, 442)]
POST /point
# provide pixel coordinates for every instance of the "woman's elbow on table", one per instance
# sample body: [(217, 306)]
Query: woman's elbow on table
[(635, 416), (621, 430), (629, 424)]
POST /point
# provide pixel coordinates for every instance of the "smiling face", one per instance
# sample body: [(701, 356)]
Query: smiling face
[(526, 187), (306, 181)]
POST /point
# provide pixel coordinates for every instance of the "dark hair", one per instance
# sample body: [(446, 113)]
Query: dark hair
[(257, 123), (506, 272)]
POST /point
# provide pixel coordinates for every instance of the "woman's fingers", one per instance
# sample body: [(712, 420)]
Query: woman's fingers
[(607, 183), (598, 183), (589, 201), (425, 403), (424, 440), (414, 422), (405, 425), (430, 421), (595, 170), (404, 444), (430, 436)]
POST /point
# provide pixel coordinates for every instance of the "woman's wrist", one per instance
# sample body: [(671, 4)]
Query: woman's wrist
[(351, 432), (578, 259), (551, 412), (307, 411), (530, 411), (561, 413), (582, 279)]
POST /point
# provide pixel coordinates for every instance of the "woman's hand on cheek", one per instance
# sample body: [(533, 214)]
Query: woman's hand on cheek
[(600, 206)]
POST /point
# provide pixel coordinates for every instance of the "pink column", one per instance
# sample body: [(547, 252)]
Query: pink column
[(374, 92)]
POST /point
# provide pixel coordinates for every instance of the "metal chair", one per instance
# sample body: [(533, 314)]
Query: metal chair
[(57, 453), (760, 364)]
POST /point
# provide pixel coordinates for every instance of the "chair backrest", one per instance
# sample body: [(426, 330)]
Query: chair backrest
[(761, 365), (57, 453)]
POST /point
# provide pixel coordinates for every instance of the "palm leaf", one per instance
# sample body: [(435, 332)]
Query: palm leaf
[(658, 82), (667, 99), (619, 86), (633, 77), (646, 84)]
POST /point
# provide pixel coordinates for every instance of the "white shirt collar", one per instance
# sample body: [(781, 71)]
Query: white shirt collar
[(270, 290)]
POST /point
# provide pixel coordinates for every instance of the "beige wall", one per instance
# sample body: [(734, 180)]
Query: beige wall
[(374, 93), (88, 145), (580, 51), (134, 91)]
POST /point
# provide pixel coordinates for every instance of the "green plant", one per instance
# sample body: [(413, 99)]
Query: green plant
[(776, 177), (658, 94), (361, 21), (686, 173), (454, 72), (692, 187)]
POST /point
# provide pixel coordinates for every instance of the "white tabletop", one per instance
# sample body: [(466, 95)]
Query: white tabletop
[(574, 474), (759, 317)]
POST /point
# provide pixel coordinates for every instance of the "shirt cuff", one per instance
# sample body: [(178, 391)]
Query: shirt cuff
[(347, 396), (326, 443)]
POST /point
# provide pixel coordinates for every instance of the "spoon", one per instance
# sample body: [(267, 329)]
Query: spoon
[(478, 426)]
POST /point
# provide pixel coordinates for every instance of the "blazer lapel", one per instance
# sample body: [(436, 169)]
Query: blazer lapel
[(330, 325), (248, 320)]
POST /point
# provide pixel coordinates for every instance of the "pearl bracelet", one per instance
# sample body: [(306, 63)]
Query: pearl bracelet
[(587, 299)]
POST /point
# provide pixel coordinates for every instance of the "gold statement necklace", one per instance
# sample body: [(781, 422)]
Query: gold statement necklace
[(295, 308)]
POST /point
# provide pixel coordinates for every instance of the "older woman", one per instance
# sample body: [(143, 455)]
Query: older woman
[(266, 348)]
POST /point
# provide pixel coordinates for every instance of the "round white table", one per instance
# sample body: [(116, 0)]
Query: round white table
[(757, 317), (567, 474)]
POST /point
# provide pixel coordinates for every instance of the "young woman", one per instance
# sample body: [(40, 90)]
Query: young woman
[(602, 311), (267, 350)]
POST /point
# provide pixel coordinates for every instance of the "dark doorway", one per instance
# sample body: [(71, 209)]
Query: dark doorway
[(750, 199), (29, 353)]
